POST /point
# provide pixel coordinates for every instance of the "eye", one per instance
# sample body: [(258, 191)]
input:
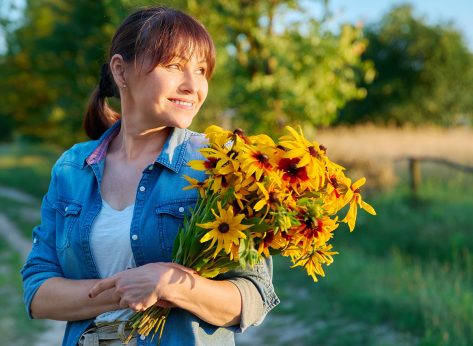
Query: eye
[(201, 70), (173, 66)]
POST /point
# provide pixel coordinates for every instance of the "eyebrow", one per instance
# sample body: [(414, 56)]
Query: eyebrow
[(204, 61)]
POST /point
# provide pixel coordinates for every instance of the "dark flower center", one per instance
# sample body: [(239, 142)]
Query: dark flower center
[(313, 152), (232, 154), (273, 197), (293, 173), (292, 169), (225, 183), (223, 227), (239, 132), (334, 182), (279, 146), (322, 148), (313, 228), (211, 162), (263, 158), (269, 237)]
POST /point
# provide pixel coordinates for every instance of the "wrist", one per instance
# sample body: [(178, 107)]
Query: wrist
[(179, 285)]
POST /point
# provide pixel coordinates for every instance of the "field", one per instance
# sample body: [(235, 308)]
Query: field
[(404, 277)]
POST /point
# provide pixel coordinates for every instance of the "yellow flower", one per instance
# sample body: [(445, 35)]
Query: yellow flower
[(312, 262), (196, 184), (338, 192), (356, 201), (257, 161), (270, 240), (314, 231), (269, 194), (217, 135), (310, 154), (225, 230)]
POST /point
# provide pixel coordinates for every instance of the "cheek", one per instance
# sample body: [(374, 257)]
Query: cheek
[(204, 90)]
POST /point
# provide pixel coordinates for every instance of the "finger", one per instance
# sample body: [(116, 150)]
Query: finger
[(123, 304), (101, 286), (165, 304)]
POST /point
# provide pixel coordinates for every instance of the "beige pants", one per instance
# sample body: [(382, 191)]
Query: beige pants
[(110, 335)]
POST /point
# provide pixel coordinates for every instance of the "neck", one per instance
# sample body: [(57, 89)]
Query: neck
[(134, 142)]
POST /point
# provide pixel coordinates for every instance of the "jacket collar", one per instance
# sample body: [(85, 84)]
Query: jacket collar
[(172, 155)]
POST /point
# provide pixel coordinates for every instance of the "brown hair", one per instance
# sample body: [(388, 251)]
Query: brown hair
[(156, 33)]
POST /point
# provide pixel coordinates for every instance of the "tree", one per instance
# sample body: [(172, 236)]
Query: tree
[(275, 71), (423, 73), (52, 65), (270, 71)]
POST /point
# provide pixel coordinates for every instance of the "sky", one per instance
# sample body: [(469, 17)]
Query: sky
[(459, 12)]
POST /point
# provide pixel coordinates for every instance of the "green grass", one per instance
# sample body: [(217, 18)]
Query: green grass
[(404, 277), (15, 326), (27, 167), (24, 216)]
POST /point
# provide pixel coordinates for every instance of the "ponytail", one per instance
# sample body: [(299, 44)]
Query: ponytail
[(100, 116)]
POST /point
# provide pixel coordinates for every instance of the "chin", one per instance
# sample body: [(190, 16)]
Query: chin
[(183, 123)]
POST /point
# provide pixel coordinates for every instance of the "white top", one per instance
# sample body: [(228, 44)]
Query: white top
[(111, 248)]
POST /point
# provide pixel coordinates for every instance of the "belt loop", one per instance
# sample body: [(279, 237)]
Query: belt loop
[(121, 331), (91, 339)]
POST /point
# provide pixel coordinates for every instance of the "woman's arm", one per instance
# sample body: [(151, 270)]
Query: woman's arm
[(47, 294), (68, 300), (216, 302)]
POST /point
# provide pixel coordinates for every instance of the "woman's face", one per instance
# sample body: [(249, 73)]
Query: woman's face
[(169, 95)]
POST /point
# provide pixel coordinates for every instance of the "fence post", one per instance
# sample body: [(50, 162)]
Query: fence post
[(414, 169)]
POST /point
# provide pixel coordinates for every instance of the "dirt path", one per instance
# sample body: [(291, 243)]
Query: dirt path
[(55, 329), (13, 236), (17, 196)]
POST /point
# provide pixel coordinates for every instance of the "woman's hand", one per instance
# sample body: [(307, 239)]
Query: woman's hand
[(141, 287)]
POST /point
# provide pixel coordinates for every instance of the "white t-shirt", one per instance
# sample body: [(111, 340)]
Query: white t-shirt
[(111, 248)]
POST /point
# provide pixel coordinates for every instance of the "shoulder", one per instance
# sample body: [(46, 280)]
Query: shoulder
[(77, 154)]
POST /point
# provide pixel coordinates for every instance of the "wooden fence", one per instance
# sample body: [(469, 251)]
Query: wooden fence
[(415, 174)]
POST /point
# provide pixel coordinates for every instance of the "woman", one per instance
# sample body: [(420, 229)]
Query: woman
[(115, 203)]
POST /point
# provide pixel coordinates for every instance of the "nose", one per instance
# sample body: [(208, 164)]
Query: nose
[(189, 84)]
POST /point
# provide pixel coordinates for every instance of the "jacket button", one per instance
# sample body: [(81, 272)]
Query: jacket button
[(142, 337), (134, 237), (35, 240), (142, 188), (66, 209), (181, 209), (150, 168)]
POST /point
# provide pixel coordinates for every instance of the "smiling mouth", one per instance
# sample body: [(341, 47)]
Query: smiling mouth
[(182, 103)]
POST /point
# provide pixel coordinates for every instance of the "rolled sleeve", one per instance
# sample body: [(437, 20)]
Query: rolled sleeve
[(42, 262), (256, 290)]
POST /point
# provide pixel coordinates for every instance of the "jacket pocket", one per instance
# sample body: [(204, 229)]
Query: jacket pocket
[(67, 216), (170, 219)]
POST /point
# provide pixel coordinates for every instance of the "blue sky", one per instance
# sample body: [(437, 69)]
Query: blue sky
[(459, 12)]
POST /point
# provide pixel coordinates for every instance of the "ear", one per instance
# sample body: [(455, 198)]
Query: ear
[(118, 68)]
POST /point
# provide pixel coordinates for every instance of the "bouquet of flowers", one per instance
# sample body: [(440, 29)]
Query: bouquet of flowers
[(261, 198)]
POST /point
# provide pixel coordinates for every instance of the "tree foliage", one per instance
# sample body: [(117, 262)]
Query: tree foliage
[(270, 70), (52, 64), (424, 73), (275, 71)]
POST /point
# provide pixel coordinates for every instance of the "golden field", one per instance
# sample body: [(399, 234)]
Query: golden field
[(379, 152)]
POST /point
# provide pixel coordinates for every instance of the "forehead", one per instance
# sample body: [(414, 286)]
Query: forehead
[(193, 58)]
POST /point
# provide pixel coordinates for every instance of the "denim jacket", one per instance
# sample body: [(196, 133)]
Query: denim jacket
[(61, 243)]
